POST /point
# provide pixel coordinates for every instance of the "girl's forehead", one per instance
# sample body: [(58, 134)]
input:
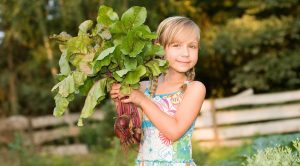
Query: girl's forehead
[(186, 35)]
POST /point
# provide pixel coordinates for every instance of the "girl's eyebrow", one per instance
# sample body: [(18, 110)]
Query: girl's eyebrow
[(176, 41)]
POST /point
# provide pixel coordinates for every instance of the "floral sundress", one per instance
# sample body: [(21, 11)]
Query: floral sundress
[(156, 149)]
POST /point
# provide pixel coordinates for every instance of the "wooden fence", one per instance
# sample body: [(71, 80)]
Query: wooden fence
[(218, 123), (262, 114), (38, 131)]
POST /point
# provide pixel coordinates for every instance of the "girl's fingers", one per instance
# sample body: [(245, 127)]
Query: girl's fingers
[(122, 96), (116, 86), (126, 100), (114, 92), (114, 96)]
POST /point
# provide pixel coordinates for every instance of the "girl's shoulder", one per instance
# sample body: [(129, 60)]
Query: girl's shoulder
[(195, 87)]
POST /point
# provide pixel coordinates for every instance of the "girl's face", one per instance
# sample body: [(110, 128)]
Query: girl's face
[(182, 53)]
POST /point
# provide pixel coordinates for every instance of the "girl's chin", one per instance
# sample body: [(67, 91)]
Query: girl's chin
[(182, 69)]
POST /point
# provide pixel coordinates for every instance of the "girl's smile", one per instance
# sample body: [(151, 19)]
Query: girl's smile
[(182, 56), (182, 53)]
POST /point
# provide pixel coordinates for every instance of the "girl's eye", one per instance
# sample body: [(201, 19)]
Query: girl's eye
[(175, 45), (193, 46)]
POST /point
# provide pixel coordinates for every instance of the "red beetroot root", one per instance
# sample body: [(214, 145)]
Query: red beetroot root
[(127, 125)]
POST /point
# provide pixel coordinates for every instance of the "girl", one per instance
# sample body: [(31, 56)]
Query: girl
[(172, 102)]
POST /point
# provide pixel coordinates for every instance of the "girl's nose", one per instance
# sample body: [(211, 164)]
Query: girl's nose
[(185, 51)]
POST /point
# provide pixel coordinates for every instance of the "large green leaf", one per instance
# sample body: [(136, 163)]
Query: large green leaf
[(131, 45), (78, 45), (70, 83), (153, 49), (64, 64), (117, 77), (75, 59), (133, 77), (79, 78), (85, 88), (95, 95), (84, 64), (66, 86), (144, 32), (97, 65), (113, 67), (85, 26), (130, 63), (106, 16), (61, 105), (118, 58), (134, 16), (122, 72), (105, 53), (156, 66), (118, 27), (62, 37)]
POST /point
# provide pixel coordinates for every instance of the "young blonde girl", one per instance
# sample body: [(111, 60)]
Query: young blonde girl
[(171, 103)]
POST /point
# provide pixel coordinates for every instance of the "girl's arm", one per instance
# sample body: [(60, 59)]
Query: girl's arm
[(143, 86), (173, 127)]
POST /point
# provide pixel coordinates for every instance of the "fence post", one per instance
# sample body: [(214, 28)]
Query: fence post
[(214, 121), (30, 131)]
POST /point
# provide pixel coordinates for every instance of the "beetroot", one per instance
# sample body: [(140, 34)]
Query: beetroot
[(127, 125)]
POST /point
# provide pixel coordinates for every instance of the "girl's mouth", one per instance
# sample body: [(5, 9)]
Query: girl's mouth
[(184, 62)]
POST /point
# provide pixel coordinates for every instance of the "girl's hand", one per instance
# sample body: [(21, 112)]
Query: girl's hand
[(136, 97), (115, 92)]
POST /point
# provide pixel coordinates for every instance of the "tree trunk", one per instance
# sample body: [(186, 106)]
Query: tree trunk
[(13, 97), (12, 90), (46, 41)]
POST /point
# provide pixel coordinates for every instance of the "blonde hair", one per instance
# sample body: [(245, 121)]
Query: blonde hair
[(167, 31), (170, 27)]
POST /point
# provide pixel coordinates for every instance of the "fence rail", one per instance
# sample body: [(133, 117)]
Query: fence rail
[(44, 129), (218, 123), (273, 113)]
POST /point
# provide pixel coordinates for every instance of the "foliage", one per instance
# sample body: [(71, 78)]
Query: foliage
[(243, 45), (113, 50), (274, 146), (98, 136), (25, 74), (261, 143), (283, 156), (255, 47)]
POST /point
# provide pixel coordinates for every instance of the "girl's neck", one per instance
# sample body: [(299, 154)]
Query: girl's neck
[(173, 77)]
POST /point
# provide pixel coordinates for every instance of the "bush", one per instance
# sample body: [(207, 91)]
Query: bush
[(277, 156), (99, 135)]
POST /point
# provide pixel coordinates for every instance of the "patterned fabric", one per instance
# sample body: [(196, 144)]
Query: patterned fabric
[(155, 148)]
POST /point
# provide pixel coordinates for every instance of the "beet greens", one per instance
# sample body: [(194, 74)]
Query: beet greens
[(110, 50)]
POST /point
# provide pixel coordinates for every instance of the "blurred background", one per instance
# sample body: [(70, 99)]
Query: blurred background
[(245, 45)]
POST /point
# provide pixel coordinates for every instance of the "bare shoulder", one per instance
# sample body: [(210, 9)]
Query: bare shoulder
[(144, 85), (196, 87)]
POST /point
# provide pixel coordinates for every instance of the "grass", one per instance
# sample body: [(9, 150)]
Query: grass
[(15, 154)]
